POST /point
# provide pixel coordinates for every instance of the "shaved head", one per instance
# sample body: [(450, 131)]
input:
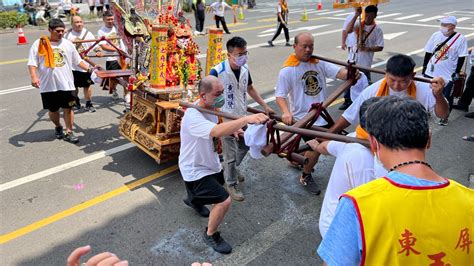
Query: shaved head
[(207, 83), (301, 35)]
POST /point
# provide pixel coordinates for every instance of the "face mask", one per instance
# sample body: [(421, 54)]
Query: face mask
[(241, 60), (219, 101), (444, 30), (378, 166)]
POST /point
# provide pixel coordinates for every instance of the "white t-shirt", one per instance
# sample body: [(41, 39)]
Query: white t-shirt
[(305, 84), (219, 8), (197, 156), (80, 47), (446, 66), (60, 77), (351, 39), (361, 84), (354, 166), (99, 3), (375, 39), (424, 94), (111, 33)]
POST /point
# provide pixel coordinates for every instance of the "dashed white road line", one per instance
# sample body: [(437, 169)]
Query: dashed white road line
[(62, 167), (388, 15), (430, 18), (408, 17), (462, 19)]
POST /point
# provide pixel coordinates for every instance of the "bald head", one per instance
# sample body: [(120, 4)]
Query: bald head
[(303, 35), (304, 46), (207, 83)]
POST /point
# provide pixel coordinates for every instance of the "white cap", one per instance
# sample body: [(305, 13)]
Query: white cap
[(449, 20), (256, 138)]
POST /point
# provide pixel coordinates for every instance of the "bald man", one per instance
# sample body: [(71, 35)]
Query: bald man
[(302, 82), (199, 162)]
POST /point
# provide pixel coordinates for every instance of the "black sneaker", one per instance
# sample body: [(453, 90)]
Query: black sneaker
[(308, 182), (201, 210), (443, 122), (217, 242), (345, 105), (270, 43), (58, 131), (287, 44), (90, 107), (70, 137)]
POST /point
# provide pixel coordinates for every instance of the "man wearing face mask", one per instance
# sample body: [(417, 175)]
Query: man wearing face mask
[(446, 51), (302, 82), (235, 75), (398, 81), (199, 162), (399, 219)]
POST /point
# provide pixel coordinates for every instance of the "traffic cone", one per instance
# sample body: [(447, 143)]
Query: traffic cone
[(305, 15), (241, 14), (21, 36), (320, 5)]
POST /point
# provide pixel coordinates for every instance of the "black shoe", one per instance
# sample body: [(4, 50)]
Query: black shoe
[(461, 107), (58, 131), (469, 115), (201, 210), (70, 137), (228, 32), (90, 107), (345, 105), (308, 182), (217, 242), (270, 43), (287, 44)]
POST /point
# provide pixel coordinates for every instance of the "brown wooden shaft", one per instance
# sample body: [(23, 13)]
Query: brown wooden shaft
[(375, 70), (336, 93), (212, 112), (323, 135)]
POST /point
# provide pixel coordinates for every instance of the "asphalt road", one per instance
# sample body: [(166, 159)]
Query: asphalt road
[(105, 192)]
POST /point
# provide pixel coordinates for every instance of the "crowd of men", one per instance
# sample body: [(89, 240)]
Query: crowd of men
[(365, 217)]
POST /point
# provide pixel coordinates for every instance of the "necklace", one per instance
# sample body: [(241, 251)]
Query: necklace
[(409, 162)]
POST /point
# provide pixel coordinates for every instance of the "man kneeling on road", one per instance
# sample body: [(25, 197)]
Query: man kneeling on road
[(52, 59), (199, 161)]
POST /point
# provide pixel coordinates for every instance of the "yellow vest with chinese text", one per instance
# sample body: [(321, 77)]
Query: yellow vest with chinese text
[(411, 225)]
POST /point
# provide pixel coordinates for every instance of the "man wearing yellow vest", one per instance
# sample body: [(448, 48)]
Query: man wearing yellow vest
[(399, 81), (412, 216), (302, 82)]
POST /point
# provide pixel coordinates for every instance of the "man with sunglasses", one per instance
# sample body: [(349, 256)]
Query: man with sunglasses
[(50, 65), (234, 74)]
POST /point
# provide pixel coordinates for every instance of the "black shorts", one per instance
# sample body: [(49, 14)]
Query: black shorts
[(207, 190), (82, 79), (112, 65), (58, 99)]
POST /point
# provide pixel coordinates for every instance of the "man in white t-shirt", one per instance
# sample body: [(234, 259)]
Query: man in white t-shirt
[(109, 31), (218, 9), (235, 75), (50, 65), (354, 166), (445, 53), (370, 41), (302, 82), (82, 79), (199, 161), (398, 81)]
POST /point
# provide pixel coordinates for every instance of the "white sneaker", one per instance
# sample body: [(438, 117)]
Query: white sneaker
[(196, 33), (202, 33), (115, 95)]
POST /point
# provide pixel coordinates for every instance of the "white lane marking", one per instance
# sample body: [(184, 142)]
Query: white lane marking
[(308, 28), (462, 19), (16, 90), (391, 36), (405, 23), (452, 12), (388, 15), (330, 12), (317, 11), (260, 10), (62, 167), (410, 16), (430, 18), (343, 14)]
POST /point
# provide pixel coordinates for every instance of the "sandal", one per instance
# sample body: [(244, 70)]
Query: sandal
[(468, 138)]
